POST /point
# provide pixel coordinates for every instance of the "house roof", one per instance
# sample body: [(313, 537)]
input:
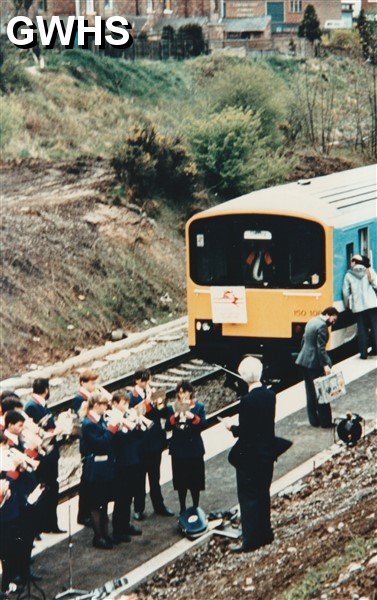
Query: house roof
[(176, 23), (249, 24), (137, 22)]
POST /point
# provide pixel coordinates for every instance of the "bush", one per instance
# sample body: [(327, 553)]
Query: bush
[(190, 41), (250, 87), (150, 163), (231, 154), (13, 76), (347, 42)]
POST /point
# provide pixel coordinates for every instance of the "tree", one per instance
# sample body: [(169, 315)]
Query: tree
[(168, 43), (190, 41), (309, 27), (368, 37)]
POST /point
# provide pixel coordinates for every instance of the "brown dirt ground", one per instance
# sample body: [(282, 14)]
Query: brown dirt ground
[(75, 267), (325, 544)]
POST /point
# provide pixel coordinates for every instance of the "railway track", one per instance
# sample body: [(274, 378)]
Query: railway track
[(165, 374)]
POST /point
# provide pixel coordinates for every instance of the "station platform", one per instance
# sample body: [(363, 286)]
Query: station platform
[(92, 568)]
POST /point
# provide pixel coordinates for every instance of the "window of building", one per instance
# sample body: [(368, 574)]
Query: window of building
[(296, 6), (89, 6), (150, 6), (109, 4), (44, 6)]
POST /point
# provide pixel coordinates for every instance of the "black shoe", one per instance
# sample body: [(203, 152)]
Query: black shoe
[(363, 356), (102, 543), (87, 522), (240, 548), (54, 530), (132, 530), (327, 426), (139, 516), (164, 512), (120, 538)]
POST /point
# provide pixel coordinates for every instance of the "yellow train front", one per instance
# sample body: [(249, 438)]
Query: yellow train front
[(260, 266)]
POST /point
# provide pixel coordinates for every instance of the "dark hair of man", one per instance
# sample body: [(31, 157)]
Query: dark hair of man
[(118, 396), (40, 385), (142, 374), (3, 438), (330, 311), (184, 386), (8, 394), (12, 417), (366, 261), (10, 403)]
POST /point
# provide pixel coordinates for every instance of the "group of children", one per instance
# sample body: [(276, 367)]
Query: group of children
[(122, 440), (29, 456)]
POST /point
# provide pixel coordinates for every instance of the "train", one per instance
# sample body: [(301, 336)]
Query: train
[(258, 267)]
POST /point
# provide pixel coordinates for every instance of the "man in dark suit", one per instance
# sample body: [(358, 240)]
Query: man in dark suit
[(253, 456), (47, 472), (315, 362)]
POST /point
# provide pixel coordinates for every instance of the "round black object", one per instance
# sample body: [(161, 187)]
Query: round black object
[(349, 429)]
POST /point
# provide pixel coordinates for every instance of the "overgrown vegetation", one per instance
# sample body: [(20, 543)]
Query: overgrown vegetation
[(84, 104), (148, 164)]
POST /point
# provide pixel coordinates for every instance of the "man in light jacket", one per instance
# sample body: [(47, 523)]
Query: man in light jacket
[(315, 362), (359, 285)]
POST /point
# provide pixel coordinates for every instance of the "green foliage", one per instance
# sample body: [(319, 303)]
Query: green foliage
[(368, 37), (309, 27), (13, 76), (145, 80), (231, 154), (149, 163), (168, 42), (190, 41), (249, 86), (345, 40)]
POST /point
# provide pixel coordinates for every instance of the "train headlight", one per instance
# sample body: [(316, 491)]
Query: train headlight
[(206, 326), (198, 325)]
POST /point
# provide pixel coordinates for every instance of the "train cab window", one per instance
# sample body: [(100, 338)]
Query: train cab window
[(210, 249), (257, 251)]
